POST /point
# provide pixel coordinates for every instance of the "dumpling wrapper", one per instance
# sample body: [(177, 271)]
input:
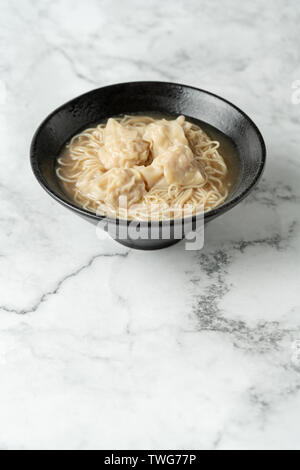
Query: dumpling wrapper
[(116, 182), (123, 147), (179, 167), (151, 175), (164, 134)]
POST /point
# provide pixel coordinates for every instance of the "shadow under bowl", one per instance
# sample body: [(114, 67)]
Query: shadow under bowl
[(153, 98)]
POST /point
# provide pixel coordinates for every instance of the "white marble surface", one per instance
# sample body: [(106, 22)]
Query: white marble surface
[(103, 347)]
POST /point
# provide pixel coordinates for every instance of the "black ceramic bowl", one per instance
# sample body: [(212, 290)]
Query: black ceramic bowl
[(147, 97)]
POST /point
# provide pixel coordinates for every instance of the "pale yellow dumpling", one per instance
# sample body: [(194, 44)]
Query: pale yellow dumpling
[(163, 134), (114, 183), (178, 166), (152, 175), (123, 147)]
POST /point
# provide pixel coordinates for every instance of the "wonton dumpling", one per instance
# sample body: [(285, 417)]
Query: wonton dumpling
[(164, 134), (151, 175), (113, 184), (178, 166), (123, 147)]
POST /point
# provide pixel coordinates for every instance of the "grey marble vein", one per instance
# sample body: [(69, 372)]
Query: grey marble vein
[(45, 296)]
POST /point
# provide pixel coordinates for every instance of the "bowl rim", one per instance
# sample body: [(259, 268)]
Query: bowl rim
[(208, 214)]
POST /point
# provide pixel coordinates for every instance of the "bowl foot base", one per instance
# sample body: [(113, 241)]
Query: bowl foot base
[(147, 245)]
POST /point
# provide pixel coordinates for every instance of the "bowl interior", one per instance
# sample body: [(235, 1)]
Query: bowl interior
[(151, 97)]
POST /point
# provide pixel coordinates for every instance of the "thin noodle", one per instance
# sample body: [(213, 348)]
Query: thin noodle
[(81, 158)]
